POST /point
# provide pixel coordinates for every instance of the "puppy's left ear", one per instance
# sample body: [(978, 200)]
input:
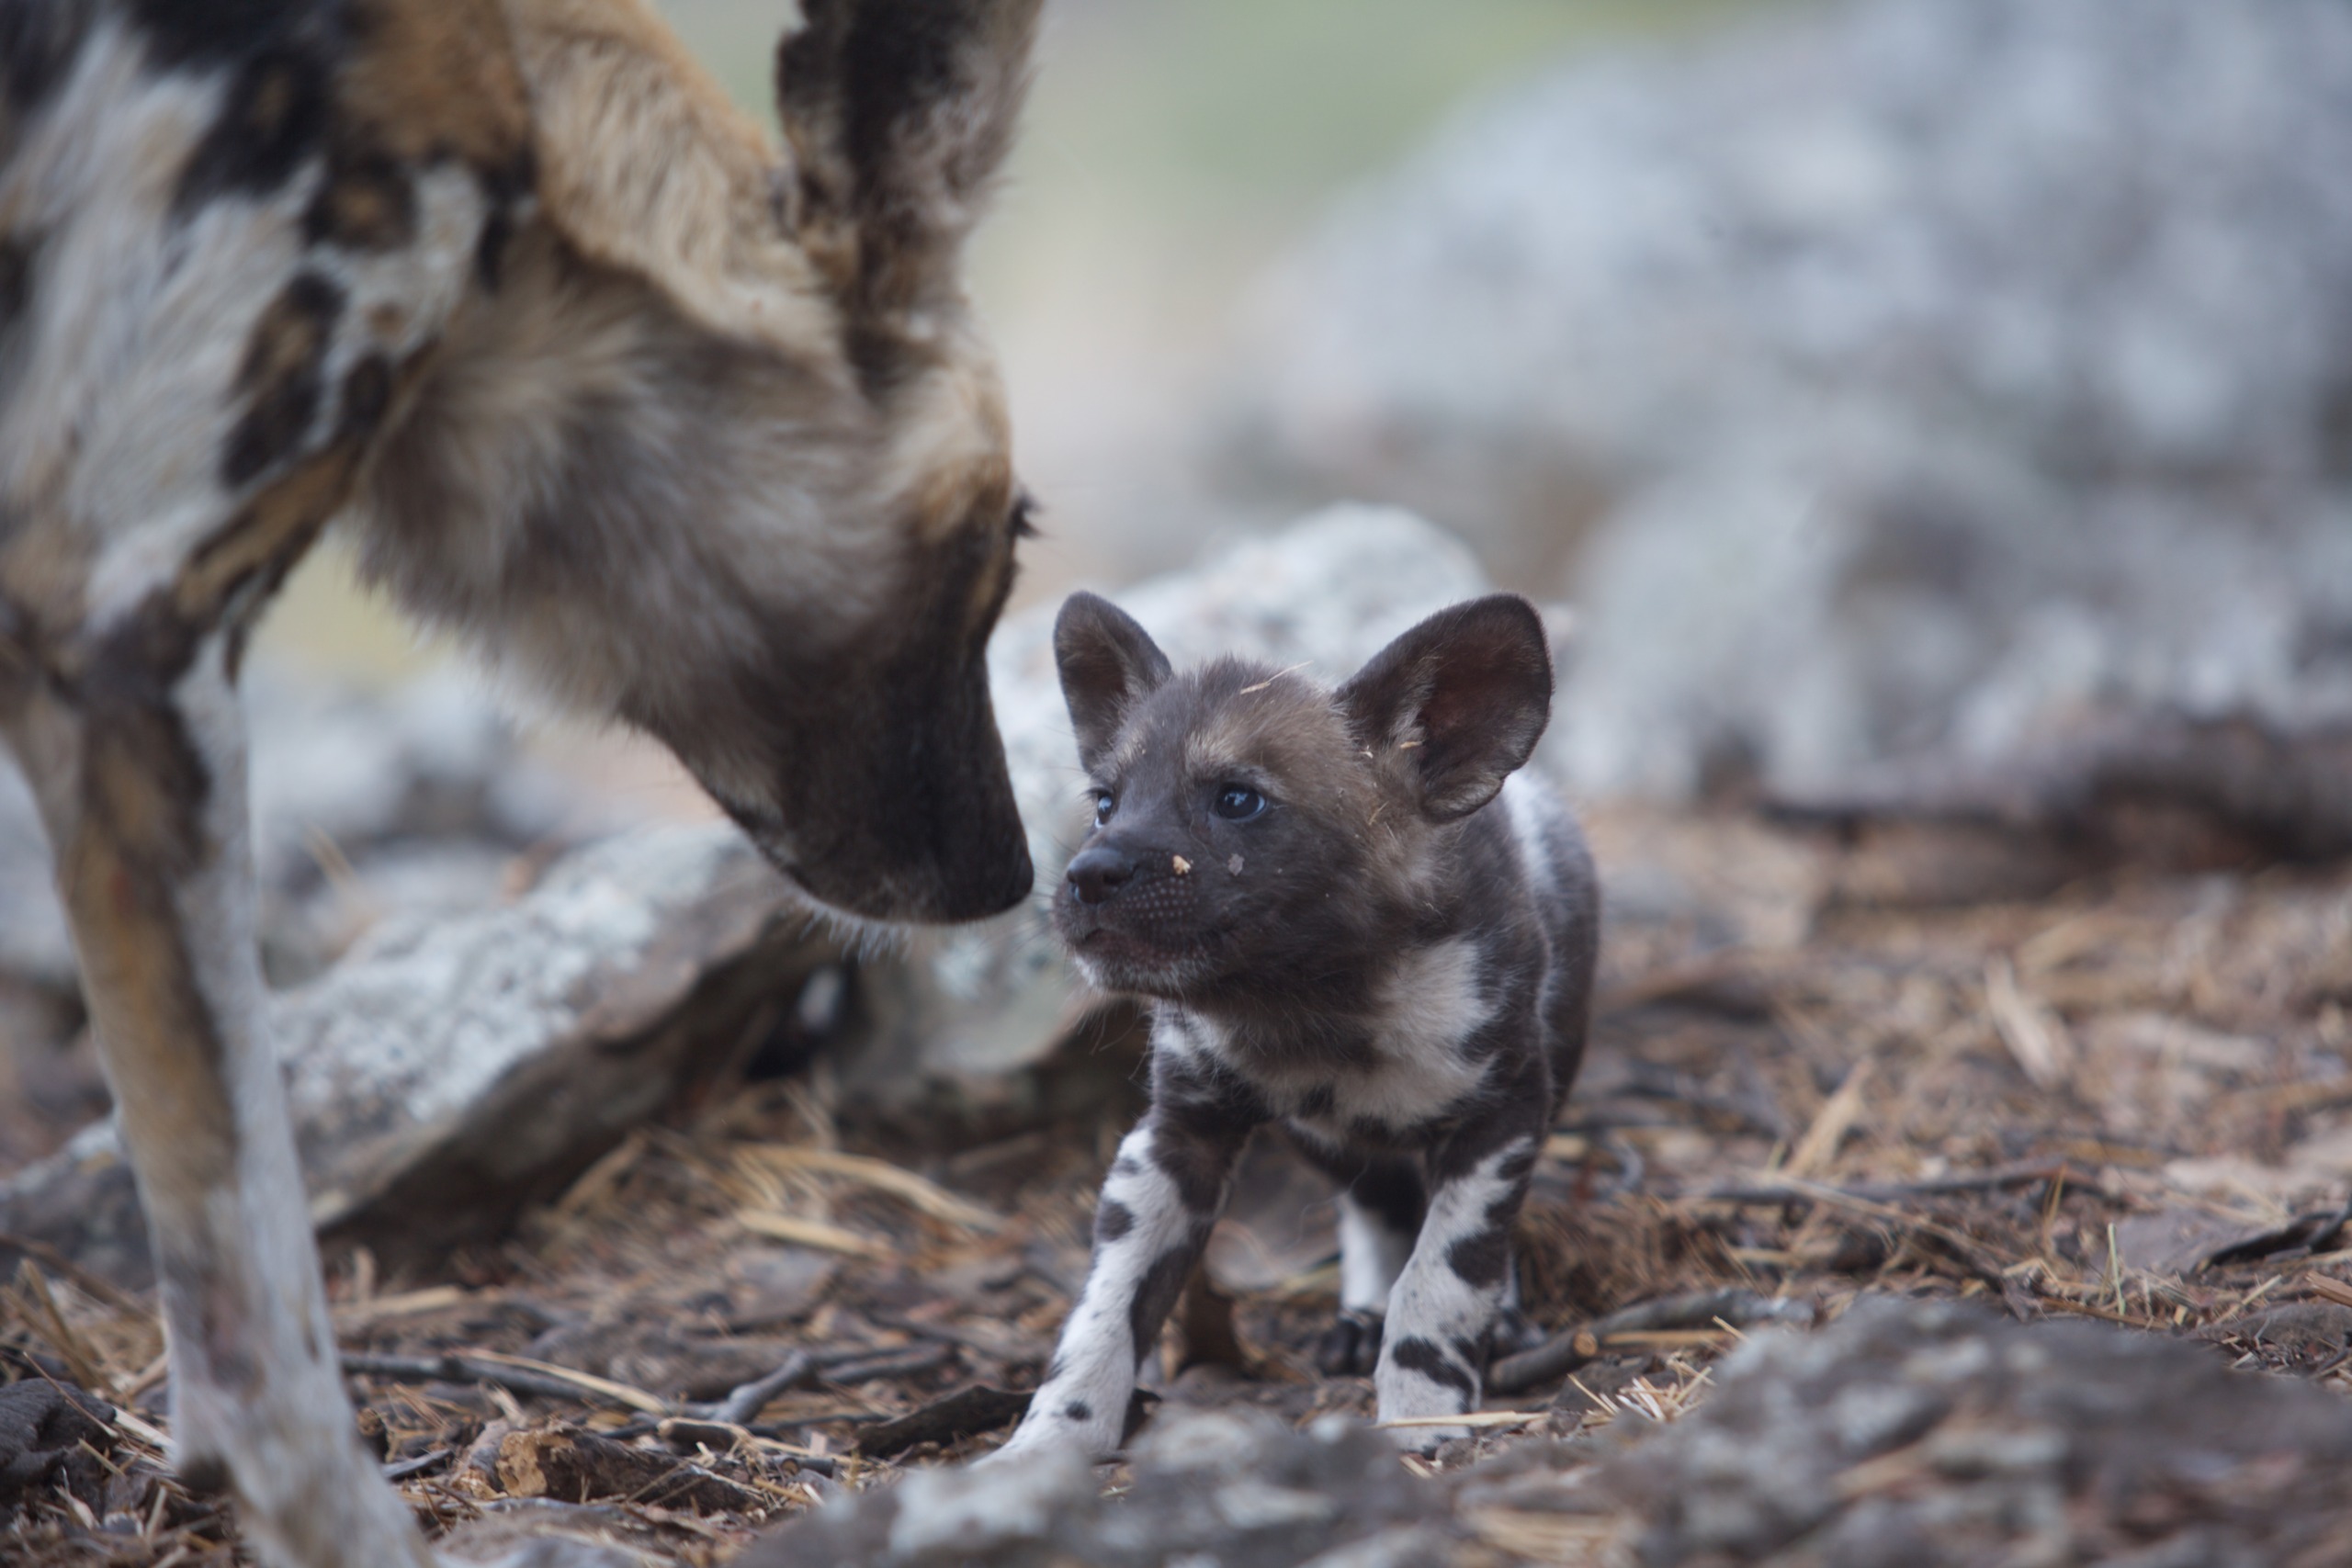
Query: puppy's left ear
[(1108, 664), (1466, 694)]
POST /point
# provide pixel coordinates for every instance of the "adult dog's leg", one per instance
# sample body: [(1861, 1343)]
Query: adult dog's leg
[(141, 775)]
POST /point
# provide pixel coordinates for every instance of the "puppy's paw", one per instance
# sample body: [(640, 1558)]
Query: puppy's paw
[(1351, 1347), (1514, 1331), (1424, 1442)]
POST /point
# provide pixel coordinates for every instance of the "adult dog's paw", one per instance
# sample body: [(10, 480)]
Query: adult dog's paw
[(1351, 1347)]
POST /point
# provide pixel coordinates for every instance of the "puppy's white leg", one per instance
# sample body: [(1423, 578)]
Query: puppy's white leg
[(1443, 1305), (1373, 1254), (143, 790), (1164, 1192)]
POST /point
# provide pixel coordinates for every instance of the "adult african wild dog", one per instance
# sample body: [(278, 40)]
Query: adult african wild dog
[(1353, 917), (689, 428)]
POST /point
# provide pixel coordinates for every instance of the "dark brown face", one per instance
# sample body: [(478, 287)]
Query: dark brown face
[(1228, 843), (1254, 833), (871, 773)]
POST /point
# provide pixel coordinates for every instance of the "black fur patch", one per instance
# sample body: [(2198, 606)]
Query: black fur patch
[(1422, 1356), (16, 278), (1481, 1257), (367, 394), (502, 190), (180, 34), (1112, 1220), (1197, 1164), (204, 1476), (1156, 1295), (39, 40), (273, 117), (366, 203), (282, 377)]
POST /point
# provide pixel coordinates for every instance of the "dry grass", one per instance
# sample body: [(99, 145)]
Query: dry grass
[(2064, 1104)]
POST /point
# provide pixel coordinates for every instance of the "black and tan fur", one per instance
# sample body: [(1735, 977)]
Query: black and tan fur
[(1352, 918), (681, 424)]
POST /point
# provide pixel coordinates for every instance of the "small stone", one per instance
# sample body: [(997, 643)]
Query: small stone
[(1233, 865), (1183, 866)]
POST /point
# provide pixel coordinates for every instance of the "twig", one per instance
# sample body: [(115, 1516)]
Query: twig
[(403, 1469), (1563, 1353), (746, 1400), (892, 1364), (513, 1374), (1776, 1190)]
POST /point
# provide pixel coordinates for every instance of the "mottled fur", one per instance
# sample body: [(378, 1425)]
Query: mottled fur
[(687, 426), (1351, 917)]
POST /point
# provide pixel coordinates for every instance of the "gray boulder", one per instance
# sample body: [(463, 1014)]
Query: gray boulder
[(1916, 379)]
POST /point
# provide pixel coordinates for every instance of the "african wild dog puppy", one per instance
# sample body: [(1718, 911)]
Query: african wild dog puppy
[(684, 425), (1352, 918)]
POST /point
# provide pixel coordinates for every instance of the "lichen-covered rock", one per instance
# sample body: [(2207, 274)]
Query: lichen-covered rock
[(453, 1068), (1236, 1488), (1895, 377)]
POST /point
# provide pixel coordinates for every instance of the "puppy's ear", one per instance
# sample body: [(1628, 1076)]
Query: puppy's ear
[(1465, 693), (899, 113), (1108, 664)]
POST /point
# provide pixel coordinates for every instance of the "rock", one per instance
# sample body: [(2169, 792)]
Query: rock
[(1903, 378), (53, 1435), (1233, 1487), (1908, 1434), (969, 1006), (1935, 1434), (451, 1070)]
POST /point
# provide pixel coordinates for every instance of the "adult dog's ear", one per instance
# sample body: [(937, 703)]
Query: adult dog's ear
[(899, 114), (1466, 694), (1108, 664)]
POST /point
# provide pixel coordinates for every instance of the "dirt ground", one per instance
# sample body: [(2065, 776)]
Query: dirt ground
[(2126, 1096)]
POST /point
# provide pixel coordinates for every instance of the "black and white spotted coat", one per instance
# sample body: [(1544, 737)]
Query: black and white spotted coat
[(1415, 1047)]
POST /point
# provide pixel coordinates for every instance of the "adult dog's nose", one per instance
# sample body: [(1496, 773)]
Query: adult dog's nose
[(1096, 875)]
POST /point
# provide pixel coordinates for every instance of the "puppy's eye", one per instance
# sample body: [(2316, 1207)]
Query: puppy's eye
[(1238, 803), (1104, 805)]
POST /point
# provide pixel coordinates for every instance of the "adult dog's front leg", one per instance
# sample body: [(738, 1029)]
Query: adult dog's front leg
[(141, 772), (1164, 1192), (1433, 1359)]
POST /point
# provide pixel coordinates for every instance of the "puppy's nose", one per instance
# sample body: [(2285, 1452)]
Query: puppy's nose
[(1098, 874)]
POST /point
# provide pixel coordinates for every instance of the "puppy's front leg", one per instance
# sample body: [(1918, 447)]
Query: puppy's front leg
[(1432, 1359), (1164, 1192)]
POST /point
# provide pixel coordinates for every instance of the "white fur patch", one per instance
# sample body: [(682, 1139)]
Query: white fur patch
[(1372, 1254), (1095, 1361)]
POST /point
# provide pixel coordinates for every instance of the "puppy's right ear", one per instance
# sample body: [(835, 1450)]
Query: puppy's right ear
[(1108, 664)]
